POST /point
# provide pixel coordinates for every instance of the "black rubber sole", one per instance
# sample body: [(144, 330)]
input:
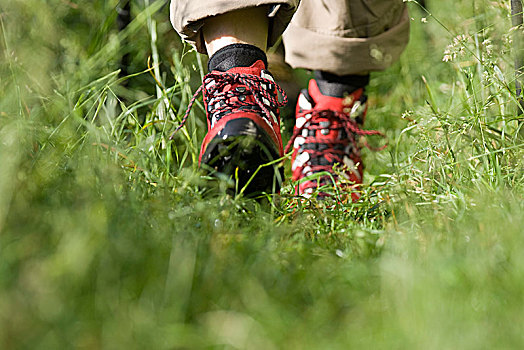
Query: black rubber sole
[(240, 152)]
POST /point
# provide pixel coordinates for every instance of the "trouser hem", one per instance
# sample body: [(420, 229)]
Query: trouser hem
[(330, 53)]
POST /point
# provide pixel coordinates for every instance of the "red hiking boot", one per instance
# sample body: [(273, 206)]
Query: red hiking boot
[(243, 121), (325, 139)]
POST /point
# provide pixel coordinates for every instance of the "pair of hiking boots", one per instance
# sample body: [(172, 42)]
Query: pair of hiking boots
[(244, 139)]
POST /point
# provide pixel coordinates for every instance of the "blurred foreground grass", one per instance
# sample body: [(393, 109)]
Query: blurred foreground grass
[(109, 240)]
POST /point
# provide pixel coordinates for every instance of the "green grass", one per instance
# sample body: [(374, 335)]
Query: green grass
[(110, 238)]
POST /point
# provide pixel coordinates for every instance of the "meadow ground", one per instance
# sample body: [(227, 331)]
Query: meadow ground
[(110, 238)]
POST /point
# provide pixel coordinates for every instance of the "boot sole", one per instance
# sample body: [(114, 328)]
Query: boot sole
[(238, 151)]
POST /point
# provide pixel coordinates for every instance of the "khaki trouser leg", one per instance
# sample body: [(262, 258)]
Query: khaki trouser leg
[(347, 36), (187, 16), (337, 36)]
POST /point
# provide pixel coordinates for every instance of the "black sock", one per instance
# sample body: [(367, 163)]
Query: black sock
[(235, 55), (338, 85)]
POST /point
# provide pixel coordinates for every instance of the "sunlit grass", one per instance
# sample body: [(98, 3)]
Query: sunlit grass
[(110, 237)]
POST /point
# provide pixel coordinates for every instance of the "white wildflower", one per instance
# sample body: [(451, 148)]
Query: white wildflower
[(456, 48), (488, 46)]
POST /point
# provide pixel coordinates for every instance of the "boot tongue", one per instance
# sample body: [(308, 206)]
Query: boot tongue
[(323, 102), (255, 69)]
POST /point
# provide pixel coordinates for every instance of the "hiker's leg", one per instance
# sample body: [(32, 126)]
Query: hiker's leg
[(240, 96), (346, 39)]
